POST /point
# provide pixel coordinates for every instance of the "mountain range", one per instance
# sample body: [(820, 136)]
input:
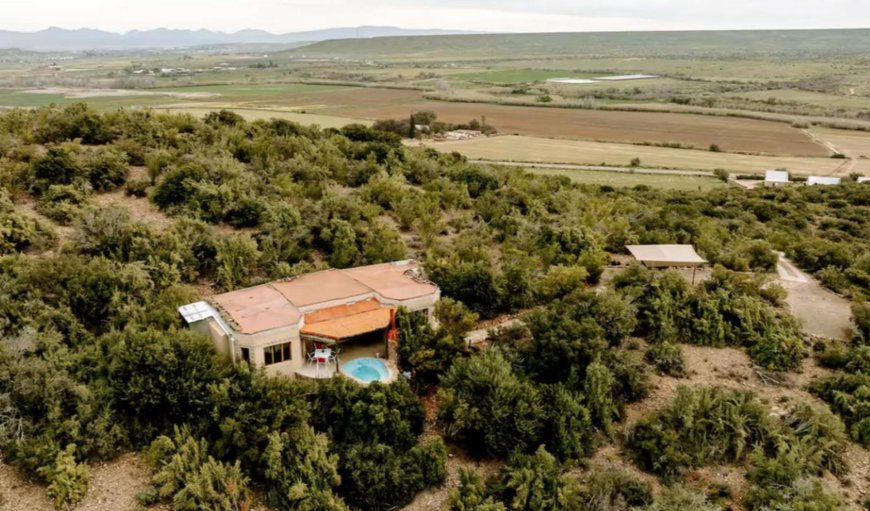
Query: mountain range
[(61, 39)]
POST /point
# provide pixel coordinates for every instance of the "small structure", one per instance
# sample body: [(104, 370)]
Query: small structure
[(823, 180), (668, 256), (299, 326), (864, 179), (773, 178)]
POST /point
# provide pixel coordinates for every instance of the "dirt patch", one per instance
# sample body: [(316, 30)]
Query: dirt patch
[(823, 312), (113, 487), (436, 498), (140, 208)]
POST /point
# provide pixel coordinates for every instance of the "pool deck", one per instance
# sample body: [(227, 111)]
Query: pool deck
[(349, 353)]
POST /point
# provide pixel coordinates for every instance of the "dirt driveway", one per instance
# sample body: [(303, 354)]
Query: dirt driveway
[(823, 312)]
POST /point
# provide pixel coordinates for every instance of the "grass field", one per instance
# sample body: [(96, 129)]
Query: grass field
[(543, 150), (669, 182)]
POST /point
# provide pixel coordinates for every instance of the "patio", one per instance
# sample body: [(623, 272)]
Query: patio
[(344, 352)]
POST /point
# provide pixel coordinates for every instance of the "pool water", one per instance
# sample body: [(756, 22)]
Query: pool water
[(366, 369)]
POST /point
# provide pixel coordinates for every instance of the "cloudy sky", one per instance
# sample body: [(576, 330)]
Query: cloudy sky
[(485, 15)]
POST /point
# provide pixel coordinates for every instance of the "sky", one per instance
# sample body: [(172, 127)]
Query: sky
[(280, 16)]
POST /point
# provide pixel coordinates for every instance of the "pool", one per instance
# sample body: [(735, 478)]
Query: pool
[(366, 370)]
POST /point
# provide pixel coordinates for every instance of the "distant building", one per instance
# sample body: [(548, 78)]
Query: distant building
[(823, 181), (277, 325), (864, 179), (774, 178)]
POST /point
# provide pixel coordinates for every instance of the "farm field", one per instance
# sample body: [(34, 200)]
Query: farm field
[(731, 134), (252, 114), (543, 150), (855, 144)]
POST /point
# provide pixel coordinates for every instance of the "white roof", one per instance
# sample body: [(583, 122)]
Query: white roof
[(776, 176), (199, 311), (864, 179), (823, 180), (674, 255)]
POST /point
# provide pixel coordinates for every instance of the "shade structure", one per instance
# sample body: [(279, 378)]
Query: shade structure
[(666, 255), (346, 321)]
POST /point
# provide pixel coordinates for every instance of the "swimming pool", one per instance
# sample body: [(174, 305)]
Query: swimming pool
[(366, 370)]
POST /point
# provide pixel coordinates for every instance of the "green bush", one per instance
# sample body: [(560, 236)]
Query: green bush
[(63, 203), (489, 409), (471, 494), (67, 479), (536, 482), (702, 425), (667, 358)]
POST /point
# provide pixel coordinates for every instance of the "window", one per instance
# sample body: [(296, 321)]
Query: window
[(246, 355), (277, 353)]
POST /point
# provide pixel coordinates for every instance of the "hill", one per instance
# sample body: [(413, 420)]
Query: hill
[(789, 43), (54, 38)]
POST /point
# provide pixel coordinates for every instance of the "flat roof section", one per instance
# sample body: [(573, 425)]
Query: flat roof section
[(390, 280), (256, 309), (320, 287), (666, 255)]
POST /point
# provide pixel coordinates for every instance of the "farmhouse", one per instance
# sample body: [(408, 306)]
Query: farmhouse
[(317, 324), (774, 178), (823, 180)]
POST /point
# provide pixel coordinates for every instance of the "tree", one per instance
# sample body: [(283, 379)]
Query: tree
[(486, 406), (536, 483), (301, 472), (471, 494), (236, 258)]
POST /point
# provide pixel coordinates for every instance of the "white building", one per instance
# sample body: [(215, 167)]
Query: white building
[(776, 178), (823, 180)]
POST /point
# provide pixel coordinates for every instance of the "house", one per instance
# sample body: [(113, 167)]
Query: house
[(345, 314), (864, 179), (668, 256), (776, 178), (823, 180)]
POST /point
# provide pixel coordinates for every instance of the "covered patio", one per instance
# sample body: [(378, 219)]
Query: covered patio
[(342, 333)]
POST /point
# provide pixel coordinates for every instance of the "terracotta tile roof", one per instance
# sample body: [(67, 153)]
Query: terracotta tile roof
[(341, 311), (345, 326), (256, 309)]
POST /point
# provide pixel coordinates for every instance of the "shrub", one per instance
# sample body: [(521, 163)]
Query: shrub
[(608, 487), (192, 479), (536, 482), (63, 203), (106, 168), (667, 358), (301, 472), (137, 187), (67, 479), (471, 494), (678, 498), (702, 425), (485, 405)]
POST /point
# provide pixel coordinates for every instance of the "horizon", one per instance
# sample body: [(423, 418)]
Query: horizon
[(433, 28), (509, 16)]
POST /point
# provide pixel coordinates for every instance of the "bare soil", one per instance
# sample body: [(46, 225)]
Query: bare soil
[(113, 487), (730, 134)]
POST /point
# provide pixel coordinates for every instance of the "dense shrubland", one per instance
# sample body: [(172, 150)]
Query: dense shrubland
[(95, 362)]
